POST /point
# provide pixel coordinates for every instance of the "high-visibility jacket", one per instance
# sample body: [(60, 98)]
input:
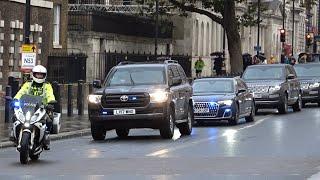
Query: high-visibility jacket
[(31, 88), (199, 64)]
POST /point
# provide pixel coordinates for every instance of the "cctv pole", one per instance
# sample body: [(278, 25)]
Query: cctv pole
[(258, 38), (156, 30)]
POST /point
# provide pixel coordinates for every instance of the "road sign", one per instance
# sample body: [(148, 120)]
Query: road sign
[(28, 60), (29, 56), (257, 48), (29, 48)]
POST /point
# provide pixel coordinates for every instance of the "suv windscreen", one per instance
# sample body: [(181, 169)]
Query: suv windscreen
[(307, 71), (137, 76), (264, 72), (213, 86)]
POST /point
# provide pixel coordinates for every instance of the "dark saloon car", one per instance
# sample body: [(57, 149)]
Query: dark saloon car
[(309, 77), (274, 86), (217, 99)]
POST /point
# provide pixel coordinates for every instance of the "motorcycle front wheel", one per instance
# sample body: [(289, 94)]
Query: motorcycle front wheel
[(24, 150)]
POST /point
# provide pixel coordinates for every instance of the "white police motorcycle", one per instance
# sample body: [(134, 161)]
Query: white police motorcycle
[(29, 127)]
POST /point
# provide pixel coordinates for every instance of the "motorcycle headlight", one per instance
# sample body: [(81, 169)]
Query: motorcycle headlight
[(16, 104), (159, 96), (226, 102), (315, 85), (26, 124), (94, 99), (28, 116), (274, 88)]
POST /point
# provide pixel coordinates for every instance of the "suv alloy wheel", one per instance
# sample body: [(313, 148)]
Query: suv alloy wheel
[(167, 130), (298, 105), (186, 128), (283, 109), (98, 132), (252, 114), (235, 119)]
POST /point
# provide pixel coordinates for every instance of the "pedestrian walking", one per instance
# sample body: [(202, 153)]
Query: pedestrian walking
[(199, 65), (218, 62)]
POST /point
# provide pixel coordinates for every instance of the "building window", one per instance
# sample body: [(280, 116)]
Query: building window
[(56, 24)]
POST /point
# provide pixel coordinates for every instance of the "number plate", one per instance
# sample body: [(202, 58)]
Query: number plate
[(124, 111), (258, 95), (202, 110)]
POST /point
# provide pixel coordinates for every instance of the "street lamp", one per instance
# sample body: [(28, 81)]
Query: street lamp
[(27, 23)]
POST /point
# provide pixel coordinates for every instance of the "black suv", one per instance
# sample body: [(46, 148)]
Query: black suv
[(274, 86), (142, 95)]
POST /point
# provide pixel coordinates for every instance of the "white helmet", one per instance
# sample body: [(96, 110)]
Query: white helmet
[(39, 69)]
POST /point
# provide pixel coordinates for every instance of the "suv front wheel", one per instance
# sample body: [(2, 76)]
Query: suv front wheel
[(98, 133), (298, 105), (186, 127), (167, 130), (283, 109)]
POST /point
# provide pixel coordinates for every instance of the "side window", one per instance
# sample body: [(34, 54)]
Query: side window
[(292, 71), (240, 85), (287, 71), (175, 71), (182, 74)]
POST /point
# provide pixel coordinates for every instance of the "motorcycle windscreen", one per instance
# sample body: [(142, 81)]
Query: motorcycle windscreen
[(30, 103)]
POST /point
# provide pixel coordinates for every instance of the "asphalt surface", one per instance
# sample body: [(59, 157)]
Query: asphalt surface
[(273, 147)]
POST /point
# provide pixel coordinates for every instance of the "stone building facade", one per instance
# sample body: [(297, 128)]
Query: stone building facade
[(12, 17)]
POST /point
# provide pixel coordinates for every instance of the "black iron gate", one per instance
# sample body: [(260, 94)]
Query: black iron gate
[(66, 68), (104, 62)]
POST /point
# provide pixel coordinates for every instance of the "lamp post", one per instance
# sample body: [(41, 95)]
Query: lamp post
[(258, 38), (27, 23), (293, 9), (156, 30)]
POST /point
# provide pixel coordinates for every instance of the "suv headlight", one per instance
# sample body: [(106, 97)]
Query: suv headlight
[(226, 102), (94, 99), (159, 96), (315, 85), (274, 88)]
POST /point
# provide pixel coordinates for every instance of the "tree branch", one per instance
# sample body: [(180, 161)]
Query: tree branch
[(190, 8)]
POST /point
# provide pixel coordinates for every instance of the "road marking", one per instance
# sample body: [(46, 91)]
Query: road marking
[(229, 133)]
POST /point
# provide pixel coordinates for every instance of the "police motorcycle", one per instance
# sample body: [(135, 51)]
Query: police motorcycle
[(29, 126)]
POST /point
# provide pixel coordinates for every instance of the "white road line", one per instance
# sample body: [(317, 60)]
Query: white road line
[(228, 132)]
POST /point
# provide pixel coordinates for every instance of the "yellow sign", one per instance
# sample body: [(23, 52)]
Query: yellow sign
[(29, 48)]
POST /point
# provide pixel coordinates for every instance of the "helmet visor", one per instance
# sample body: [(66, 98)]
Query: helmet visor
[(39, 75)]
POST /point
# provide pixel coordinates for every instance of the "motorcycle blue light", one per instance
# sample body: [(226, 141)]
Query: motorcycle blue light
[(211, 103), (228, 110), (16, 104)]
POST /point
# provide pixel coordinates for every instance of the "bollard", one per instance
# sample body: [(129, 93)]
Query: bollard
[(70, 107), (90, 88), (57, 94), (7, 105), (80, 96)]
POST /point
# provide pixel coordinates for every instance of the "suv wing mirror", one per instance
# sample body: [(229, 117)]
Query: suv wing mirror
[(96, 84), (176, 81), (242, 91), (291, 76)]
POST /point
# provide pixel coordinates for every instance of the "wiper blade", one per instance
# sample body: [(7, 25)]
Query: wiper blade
[(131, 80)]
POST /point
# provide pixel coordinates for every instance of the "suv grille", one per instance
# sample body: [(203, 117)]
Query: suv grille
[(125, 100), (206, 109), (259, 89)]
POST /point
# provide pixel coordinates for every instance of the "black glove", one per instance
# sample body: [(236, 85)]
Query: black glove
[(50, 107)]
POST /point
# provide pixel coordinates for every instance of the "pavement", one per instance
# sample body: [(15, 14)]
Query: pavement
[(73, 126)]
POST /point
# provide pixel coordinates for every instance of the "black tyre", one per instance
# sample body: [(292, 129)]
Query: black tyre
[(318, 104), (24, 150), (235, 119), (167, 130), (256, 110), (298, 105), (304, 105), (283, 108), (34, 157), (122, 133), (252, 114), (186, 128), (98, 132)]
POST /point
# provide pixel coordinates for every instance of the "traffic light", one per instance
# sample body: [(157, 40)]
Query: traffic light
[(308, 40), (282, 35)]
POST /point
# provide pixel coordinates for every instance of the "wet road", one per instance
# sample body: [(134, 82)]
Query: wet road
[(273, 147)]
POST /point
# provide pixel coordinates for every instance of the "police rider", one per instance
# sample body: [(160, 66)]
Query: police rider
[(39, 87)]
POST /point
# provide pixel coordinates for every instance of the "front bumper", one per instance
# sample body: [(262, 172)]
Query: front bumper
[(267, 100), (310, 95), (224, 113), (151, 116)]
